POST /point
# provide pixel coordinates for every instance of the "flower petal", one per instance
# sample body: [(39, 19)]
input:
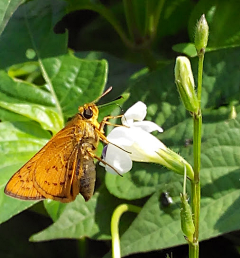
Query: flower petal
[(148, 126), (142, 145), (120, 136), (136, 112), (118, 159), (145, 146)]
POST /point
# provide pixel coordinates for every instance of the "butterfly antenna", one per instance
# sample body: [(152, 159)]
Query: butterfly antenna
[(104, 93), (112, 103)]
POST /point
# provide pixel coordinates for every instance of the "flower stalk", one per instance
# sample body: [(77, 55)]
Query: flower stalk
[(116, 250), (201, 39), (192, 102)]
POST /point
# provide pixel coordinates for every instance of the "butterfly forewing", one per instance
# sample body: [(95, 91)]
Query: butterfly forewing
[(50, 173), (64, 167), (21, 184), (54, 175)]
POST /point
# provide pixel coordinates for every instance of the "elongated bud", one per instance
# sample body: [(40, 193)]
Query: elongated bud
[(175, 162), (187, 224), (233, 113), (201, 34), (185, 84)]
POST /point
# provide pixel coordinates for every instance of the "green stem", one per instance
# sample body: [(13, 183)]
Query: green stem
[(195, 184), (82, 247), (116, 253), (200, 72)]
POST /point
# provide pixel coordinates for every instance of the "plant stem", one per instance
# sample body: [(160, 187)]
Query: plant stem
[(82, 247), (200, 72), (195, 184), (116, 252)]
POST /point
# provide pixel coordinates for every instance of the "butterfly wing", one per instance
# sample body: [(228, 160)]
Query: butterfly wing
[(50, 173), (21, 184), (54, 177)]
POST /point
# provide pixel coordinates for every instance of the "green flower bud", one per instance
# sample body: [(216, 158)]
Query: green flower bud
[(187, 224), (201, 34), (233, 113), (185, 84)]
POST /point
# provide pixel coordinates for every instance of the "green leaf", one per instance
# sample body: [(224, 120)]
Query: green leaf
[(54, 208), (49, 119), (19, 141), (81, 218), (118, 74), (70, 78), (186, 48), (155, 228), (6, 10), (75, 81), (32, 25)]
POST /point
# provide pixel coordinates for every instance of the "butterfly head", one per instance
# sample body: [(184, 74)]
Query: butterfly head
[(89, 112)]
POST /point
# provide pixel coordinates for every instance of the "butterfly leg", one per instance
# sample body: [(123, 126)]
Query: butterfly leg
[(104, 162), (106, 122), (106, 141)]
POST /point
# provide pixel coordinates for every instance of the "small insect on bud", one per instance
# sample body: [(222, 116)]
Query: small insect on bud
[(165, 199), (201, 34), (185, 84)]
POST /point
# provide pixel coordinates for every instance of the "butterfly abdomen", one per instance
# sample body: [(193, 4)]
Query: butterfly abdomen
[(87, 181)]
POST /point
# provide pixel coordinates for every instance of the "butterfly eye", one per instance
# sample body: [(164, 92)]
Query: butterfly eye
[(87, 113)]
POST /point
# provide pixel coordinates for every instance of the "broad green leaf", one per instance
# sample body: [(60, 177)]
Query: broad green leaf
[(54, 208), (119, 72), (32, 25), (70, 78), (7, 8), (186, 48), (75, 81), (19, 141), (81, 218)]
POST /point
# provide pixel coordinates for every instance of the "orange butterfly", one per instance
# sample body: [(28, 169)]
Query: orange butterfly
[(65, 166)]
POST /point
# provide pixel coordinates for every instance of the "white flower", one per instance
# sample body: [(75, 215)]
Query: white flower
[(134, 142), (135, 138)]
